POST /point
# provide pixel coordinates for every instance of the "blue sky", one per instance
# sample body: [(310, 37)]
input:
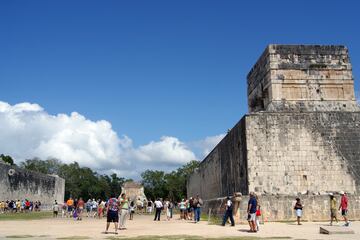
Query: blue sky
[(155, 68)]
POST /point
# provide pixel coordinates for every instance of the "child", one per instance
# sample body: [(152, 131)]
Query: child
[(258, 214), (298, 208), (132, 210)]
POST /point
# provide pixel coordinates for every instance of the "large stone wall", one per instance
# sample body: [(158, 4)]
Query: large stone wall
[(290, 153), (301, 137), (284, 153), (224, 170), (30, 185)]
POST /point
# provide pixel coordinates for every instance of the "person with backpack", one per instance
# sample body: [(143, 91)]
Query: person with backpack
[(112, 213), (228, 212)]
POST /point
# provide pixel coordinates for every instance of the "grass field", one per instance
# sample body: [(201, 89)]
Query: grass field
[(25, 216)]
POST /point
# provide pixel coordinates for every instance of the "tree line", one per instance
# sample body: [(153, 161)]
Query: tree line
[(86, 183)]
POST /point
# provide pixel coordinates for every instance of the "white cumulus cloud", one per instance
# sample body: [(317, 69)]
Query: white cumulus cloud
[(28, 131), (206, 145)]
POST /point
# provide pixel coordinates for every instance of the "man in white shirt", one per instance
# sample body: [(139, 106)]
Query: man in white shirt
[(158, 206), (228, 212)]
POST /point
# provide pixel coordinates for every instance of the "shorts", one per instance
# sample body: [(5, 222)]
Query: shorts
[(55, 212), (298, 212), (332, 213), (112, 216), (190, 210), (251, 217), (344, 212), (70, 209)]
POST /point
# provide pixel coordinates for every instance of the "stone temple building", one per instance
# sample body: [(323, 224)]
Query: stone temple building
[(133, 190), (301, 136)]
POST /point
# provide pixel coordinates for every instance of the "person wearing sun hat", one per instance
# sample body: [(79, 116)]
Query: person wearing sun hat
[(333, 208)]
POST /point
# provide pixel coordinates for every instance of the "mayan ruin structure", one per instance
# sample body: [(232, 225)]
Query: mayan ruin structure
[(301, 136), (133, 190), (17, 183)]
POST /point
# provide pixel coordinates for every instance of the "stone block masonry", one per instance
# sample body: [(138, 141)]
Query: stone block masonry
[(30, 185), (301, 136)]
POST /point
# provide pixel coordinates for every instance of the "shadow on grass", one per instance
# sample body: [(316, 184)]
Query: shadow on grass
[(74, 238), (26, 236)]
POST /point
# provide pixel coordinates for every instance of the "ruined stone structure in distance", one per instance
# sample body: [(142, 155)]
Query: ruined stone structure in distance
[(17, 183), (134, 191), (300, 137)]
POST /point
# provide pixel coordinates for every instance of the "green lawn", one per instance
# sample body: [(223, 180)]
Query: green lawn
[(25, 216)]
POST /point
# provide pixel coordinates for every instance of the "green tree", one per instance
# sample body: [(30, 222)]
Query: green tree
[(154, 184), (168, 185), (7, 159), (176, 180), (49, 166)]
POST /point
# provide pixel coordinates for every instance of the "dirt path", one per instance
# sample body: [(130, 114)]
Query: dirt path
[(144, 225)]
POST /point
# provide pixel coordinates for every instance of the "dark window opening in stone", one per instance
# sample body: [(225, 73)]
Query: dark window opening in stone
[(265, 98), (304, 177)]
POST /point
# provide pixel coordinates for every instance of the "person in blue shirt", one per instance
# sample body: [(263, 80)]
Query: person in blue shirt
[(251, 210)]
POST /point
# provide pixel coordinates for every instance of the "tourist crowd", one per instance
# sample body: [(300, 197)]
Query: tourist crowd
[(254, 212), (16, 206)]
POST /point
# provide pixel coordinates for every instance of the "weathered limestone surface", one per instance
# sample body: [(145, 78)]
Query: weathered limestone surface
[(134, 191), (284, 153), (224, 170), (301, 136), (30, 185), (302, 78), (291, 153)]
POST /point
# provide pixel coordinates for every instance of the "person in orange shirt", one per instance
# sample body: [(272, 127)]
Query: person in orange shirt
[(70, 206)]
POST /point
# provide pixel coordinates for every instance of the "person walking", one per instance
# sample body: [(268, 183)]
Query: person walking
[(228, 212), (333, 209), (344, 207), (182, 207), (70, 206), (80, 207), (124, 211), (158, 208), (150, 206), (55, 209), (132, 210), (198, 202), (258, 213), (171, 207), (167, 209), (112, 213), (251, 211), (298, 209)]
